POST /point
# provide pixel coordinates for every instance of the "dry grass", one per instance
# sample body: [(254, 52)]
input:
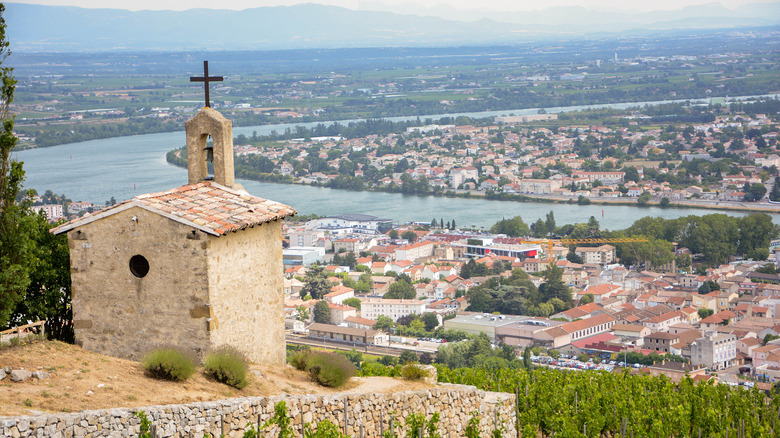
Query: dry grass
[(83, 380)]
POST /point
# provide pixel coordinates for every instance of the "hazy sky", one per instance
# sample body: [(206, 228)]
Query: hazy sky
[(508, 5)]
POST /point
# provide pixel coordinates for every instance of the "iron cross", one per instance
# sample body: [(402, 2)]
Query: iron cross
[(206, 79)]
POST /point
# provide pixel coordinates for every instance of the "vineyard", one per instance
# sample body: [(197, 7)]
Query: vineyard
[(599, 404)]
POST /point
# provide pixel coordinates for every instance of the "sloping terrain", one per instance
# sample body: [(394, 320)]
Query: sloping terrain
[(83, 380)]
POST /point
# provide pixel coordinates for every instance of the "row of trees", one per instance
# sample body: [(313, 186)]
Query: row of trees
[(35, 274), (517, 294), (716, 237)]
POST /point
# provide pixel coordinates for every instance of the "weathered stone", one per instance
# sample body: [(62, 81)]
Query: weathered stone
[(20, 375), (2, 374), (40, 375)]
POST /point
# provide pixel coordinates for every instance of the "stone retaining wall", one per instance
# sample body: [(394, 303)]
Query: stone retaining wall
[(366, 415)]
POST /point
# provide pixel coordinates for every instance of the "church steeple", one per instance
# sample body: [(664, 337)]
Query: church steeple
[(209, 123)]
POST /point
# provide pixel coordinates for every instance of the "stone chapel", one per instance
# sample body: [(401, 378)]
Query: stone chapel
[(194, 267)]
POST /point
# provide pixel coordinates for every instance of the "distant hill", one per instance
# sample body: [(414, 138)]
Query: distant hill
[(39, 28)]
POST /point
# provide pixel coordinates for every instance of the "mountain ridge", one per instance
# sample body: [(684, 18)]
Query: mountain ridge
[(40, 28)]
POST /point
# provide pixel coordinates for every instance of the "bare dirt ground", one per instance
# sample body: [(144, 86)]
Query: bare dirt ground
[(83, 380)]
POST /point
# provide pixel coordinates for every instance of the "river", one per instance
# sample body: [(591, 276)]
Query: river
[(124, 167)]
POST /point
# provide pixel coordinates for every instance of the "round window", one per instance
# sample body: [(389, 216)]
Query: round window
[(139, 266)]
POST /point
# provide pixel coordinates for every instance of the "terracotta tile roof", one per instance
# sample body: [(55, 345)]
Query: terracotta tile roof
[(719, 317), (207, 206), (359, 320), (628, 328), (582, 324)]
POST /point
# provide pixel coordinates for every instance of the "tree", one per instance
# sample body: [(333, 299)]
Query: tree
[(656, 252), (573, 257), (527, 358), (683, 262), (322, 312), (303, 314), (479, 301), (754, 192), (586, 299), (407, 319), (704, 312), (774, 194), (388, 360), (352, 302), (430, 320), (769, 337), (48, 296), (393, 234), (409, 235), (581, 200), (383, 323), (401, 289), (555, 354), (664, 202), (644, 199), (554, 287), (408, 357), (539, 228), (426, 358), (16, 224), (354, 356), (514, 227), (452, 224), (316, 285), (704, 289), (549, 222)]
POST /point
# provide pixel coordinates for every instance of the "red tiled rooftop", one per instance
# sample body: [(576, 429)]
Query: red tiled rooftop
[(207, 206)]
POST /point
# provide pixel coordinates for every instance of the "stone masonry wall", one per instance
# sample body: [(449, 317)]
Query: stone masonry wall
[(366, 415), (246, 292), (117, 314)]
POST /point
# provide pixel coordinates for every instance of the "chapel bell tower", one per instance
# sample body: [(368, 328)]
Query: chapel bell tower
[(201, 156)]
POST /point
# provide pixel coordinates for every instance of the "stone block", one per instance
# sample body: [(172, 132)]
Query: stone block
[(20, 375), (40, 375)]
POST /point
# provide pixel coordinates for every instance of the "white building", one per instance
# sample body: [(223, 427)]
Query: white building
[(459, 175), (304, 237), (371, 308), (53, 211), (602, 255), (350, 224), (715, 350)]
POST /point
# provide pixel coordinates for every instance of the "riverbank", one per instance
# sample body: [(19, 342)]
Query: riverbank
[(141, 126), (757, 207)]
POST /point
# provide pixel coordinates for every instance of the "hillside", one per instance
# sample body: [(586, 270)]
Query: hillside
[(39, 28), (83, 380)]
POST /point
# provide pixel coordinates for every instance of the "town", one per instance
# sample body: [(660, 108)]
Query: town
[(354, 281), (724, 163)]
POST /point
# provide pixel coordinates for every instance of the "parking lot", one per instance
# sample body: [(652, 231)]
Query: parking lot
[(565, 362)]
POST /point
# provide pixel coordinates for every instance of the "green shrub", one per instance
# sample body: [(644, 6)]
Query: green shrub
[(375, 369), (280, 420), (299, 359), (146, 425), (413, 372), (472, 429), (169, 364), (329, 369), (325, 429), (227, 365)]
